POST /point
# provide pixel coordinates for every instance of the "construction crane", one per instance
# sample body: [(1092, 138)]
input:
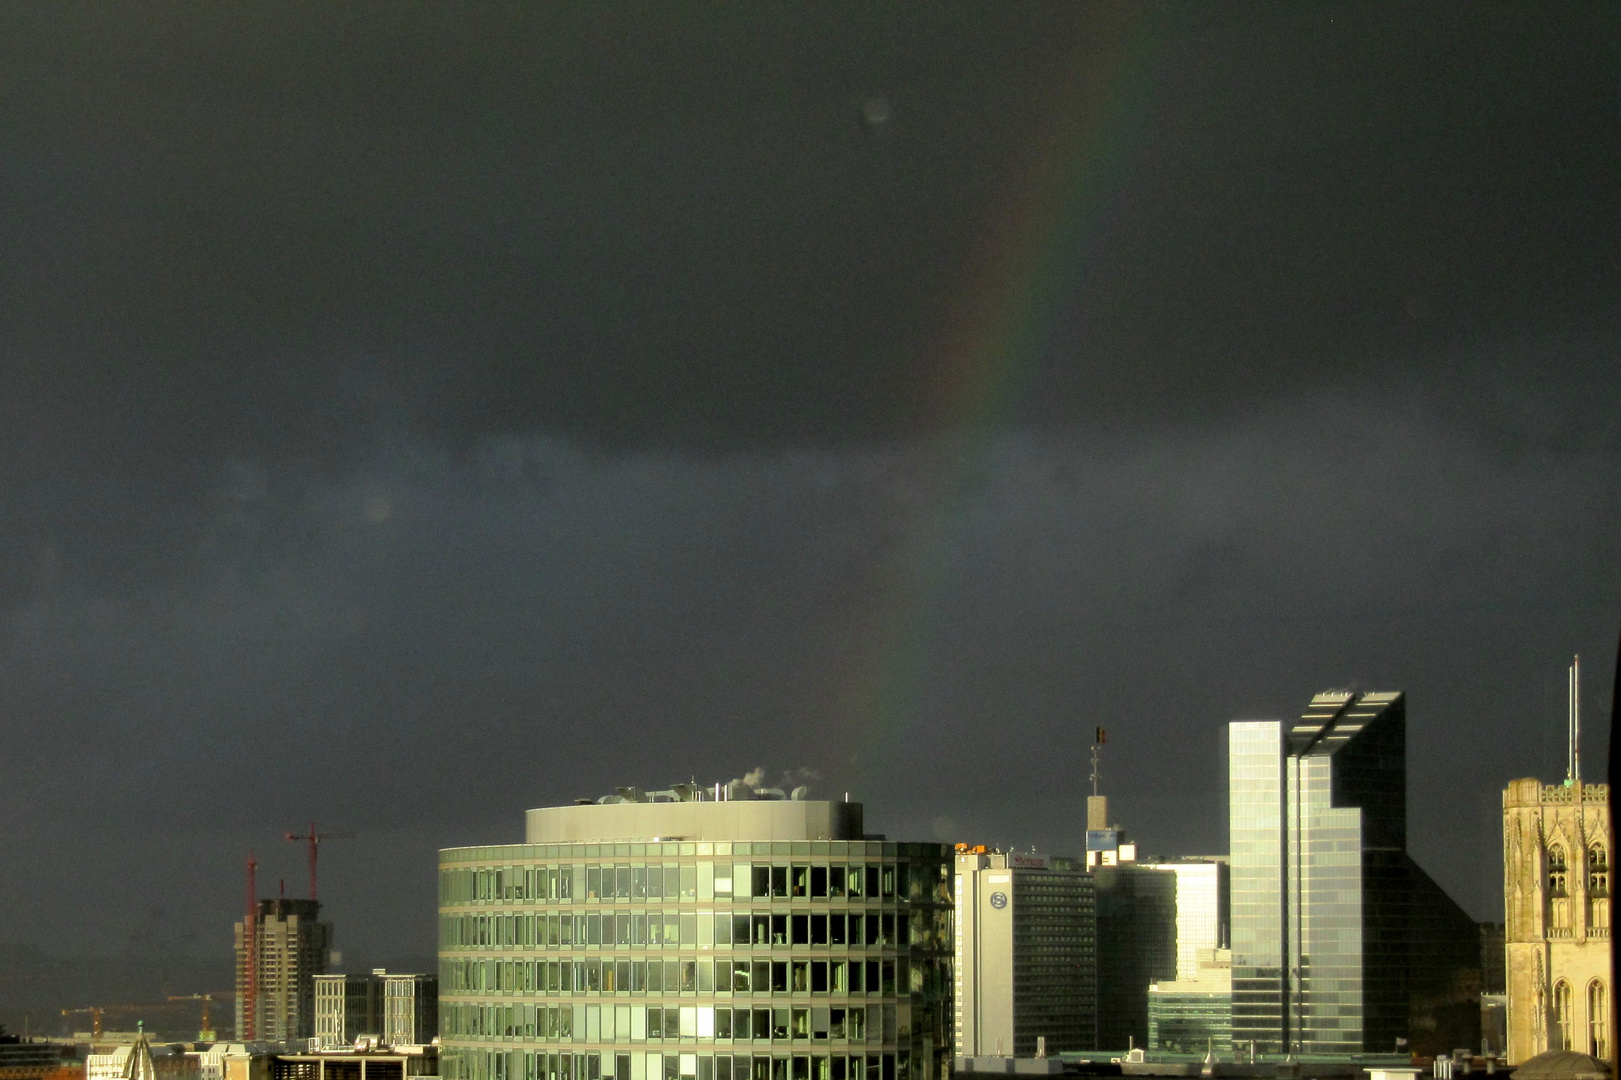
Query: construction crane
[(314, 839), (208, 1010), (98, 1012), (95, 1017), (250, 947)]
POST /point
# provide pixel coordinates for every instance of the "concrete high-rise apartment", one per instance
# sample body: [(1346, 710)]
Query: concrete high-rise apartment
[(293, 946), (1026, 954), (693, 934), (1340, 943), (1556, 899)]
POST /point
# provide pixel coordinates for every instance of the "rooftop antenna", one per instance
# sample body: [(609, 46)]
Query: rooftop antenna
[(1573, 679), (1097, 806), (1097, 746)]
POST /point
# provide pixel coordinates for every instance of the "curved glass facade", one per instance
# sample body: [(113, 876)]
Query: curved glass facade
[(764, 960)]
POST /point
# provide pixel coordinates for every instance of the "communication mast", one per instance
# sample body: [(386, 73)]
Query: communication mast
[(1573, 723)]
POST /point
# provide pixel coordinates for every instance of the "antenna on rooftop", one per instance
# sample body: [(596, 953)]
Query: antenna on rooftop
[(1097, 744), (1573, 679)]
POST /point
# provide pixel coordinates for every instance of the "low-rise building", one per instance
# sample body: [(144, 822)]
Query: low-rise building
[(400, 1009), (410, 1008), (1194, 1015), (696, 934), (364, 1061), (346, 1008)]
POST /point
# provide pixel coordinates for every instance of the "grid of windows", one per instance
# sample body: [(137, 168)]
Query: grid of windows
[(1321, 884), (694, 961), (1054, 960), (1190, 1023), (1255, 809)]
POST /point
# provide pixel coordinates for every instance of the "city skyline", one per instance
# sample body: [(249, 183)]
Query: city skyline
[(399, 410)]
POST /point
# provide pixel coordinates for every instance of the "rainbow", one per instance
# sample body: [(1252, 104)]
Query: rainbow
[(1042, 235)]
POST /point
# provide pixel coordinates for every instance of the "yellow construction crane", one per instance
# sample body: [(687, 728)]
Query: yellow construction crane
[(98, 1012), (95, 1017), (206, 1034)]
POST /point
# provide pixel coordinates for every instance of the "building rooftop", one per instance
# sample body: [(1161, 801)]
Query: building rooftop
[(1561, 1065), (725, 811)]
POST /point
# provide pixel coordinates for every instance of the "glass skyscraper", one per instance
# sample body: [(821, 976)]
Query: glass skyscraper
[(1255, 841), (1323, 892)]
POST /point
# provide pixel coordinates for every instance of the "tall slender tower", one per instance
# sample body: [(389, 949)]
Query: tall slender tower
[(1341, 943), (1556, 903)]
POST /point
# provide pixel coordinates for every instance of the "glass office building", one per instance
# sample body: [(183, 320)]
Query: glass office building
[(1330, 917), (1319, 830), (1203, 891), (1136, 916), (678, 936), (1255, 842), (1194, 1014)]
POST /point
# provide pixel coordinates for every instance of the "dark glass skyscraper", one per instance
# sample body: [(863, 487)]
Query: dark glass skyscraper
[(1326, 903)]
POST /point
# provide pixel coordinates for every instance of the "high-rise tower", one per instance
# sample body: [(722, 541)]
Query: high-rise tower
[(1341, 943), (291, 947)]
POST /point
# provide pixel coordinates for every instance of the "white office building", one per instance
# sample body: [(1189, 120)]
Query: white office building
[(1201, 909)]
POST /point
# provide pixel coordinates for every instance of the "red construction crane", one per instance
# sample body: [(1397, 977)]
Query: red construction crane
[(250, 947), (314, 838)]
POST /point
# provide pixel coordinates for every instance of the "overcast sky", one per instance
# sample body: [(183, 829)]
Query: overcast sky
[(411, 414)]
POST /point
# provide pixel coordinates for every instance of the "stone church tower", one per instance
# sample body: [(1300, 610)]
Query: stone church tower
[(1557, 848)]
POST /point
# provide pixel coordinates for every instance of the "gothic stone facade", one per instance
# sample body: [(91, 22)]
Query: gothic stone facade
[(1556, 896)]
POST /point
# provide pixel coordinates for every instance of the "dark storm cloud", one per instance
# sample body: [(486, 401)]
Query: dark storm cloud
[(555, 622), (252, 229), (412, 414), (250, 233)]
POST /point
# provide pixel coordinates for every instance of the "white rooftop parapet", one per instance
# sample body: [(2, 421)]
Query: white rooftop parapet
[(752, 820)]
